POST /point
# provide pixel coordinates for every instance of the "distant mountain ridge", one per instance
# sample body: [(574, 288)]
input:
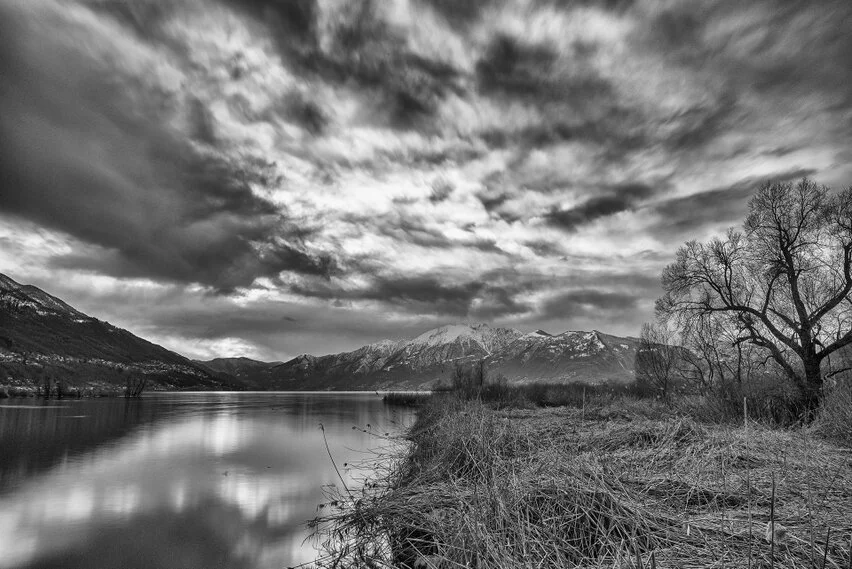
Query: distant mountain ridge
[(593, 357), (243, 372), (42, 337)]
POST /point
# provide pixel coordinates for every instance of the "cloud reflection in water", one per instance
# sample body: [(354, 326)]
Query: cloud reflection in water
[(207, 481)]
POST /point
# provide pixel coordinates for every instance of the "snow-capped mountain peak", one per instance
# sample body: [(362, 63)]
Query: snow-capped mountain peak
[(482, 335), (450, 333)]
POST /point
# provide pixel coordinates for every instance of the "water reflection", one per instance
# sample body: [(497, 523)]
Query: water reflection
[(175, 480)]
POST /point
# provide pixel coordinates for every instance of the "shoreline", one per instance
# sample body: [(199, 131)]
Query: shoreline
[(613, 484), (402, 397)]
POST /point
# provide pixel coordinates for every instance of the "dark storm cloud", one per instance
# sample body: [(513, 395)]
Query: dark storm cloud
[(597, 272), (576, 102), (678, 30), (84, 154), (727, 205), (615, 200), (544, 248), (609, 131), (412, 293), (202, 127), (748, 72), (499, 302), (296, 18), (494, 198), (791, 49), (441, 191), (417, 229), (516, 68), (363, 48), (306, 113), (585, 302), (453, 299), (698, 125), (613, 5), (461, 14), (232, 320), (427, 295), (821, 66)]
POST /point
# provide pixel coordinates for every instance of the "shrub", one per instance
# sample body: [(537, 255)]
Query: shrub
[(834, 420), (405, 399), (467, 382), (500, 394)]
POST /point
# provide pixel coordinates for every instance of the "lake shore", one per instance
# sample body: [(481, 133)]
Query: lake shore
[(621, 483)]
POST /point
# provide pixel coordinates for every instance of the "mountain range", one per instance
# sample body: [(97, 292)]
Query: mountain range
[(40, 335), (422, 362)]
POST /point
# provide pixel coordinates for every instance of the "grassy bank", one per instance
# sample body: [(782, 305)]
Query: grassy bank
[(616, 483)]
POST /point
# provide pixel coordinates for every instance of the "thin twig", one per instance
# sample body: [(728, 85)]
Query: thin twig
[(772, 526), (850, 551), (337, 470), (825, 552), (748, 482)]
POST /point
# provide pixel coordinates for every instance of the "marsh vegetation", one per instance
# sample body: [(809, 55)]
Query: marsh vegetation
[(613, 482)]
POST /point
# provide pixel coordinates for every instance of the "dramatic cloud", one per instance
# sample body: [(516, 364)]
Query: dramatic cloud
[(276, 177), (588, 302), (90, 152), (608, 203), (719, 206)]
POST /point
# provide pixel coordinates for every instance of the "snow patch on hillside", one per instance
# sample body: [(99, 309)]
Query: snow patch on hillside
[(537, 335), (8, 284), (383, 345), (444, 335)]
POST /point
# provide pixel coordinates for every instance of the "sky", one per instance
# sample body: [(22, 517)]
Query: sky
[(268, 178)]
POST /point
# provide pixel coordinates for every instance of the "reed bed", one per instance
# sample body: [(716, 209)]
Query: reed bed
[(604, 487), (406, 398)]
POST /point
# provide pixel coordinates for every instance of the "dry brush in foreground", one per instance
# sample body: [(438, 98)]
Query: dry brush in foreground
[(600, 487)]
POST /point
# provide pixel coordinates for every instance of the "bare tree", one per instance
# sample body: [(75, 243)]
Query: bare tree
[(713, 356), (704, 359), (785, 281), (657, 359), (135, 385)]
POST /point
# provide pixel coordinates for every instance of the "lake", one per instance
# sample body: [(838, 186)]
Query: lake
[(178, 480)]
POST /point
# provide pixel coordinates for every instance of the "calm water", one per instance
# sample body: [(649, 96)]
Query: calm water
[(188, 480)]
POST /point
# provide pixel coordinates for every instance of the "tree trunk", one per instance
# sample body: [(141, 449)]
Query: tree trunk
[(811, 389)]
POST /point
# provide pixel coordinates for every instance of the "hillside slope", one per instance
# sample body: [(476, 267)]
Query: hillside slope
[(43, 337)]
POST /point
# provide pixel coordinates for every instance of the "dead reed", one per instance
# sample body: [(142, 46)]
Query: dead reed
[(595, 488)]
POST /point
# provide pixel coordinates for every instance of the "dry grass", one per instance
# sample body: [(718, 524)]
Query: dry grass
[(596, 487), (834, 420)]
